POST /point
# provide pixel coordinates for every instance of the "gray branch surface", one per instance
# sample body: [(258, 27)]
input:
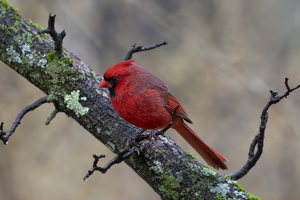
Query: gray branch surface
[(72, 87)]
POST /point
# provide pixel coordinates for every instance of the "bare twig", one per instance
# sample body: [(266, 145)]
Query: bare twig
[(126, 153), (52, 115), (4, 135), (57, 37), (259, 137), (134, 49), (122, 155)]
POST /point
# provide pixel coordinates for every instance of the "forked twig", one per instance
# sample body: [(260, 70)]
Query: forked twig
[(135, 49), (57, 37), (259, 137)]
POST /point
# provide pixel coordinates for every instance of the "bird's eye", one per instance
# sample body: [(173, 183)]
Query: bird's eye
[(114, 79)]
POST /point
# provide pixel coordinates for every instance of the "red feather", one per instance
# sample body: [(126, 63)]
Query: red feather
[(145, 101)]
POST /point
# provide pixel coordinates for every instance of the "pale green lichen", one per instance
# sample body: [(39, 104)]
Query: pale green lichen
[(32, 57), (221, 189), (73, 104), (26, 48), (35, 59), (157, 168), (42, 62), (208, 172), (14, 56), (240, 193)]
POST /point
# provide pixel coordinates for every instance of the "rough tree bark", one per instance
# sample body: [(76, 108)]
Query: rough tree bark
[(72, 87)]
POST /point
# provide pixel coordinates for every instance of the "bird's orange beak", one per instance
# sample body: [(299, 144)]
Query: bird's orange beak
[(104, 84)]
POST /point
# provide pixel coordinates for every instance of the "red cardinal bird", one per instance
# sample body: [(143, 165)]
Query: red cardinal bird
[(145, 101)]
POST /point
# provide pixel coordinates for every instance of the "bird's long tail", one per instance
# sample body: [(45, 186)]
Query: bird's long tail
[(211, 157)]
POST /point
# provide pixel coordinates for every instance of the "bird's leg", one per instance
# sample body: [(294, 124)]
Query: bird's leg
[(134, 142), (152, 133), (162, 131)]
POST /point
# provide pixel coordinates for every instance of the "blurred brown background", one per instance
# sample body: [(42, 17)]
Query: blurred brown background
[(222, 59)]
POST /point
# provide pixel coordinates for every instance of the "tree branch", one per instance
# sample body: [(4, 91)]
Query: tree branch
[(4, 135), (260, 136), (135, 49)]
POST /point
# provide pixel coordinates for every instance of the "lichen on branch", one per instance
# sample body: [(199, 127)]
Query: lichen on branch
[(73, 103)]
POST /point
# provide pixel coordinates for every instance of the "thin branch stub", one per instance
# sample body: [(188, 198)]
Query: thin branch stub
[(57, 37), (52, 115)]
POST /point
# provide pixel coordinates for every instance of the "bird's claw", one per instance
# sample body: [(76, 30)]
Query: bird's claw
[(155, 133), (152, 135), (132, 143)]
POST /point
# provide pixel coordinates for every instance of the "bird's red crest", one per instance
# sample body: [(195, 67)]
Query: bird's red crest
[(119, 69)]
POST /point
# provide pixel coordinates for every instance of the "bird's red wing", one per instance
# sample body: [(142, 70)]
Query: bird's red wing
[(172, 103)]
